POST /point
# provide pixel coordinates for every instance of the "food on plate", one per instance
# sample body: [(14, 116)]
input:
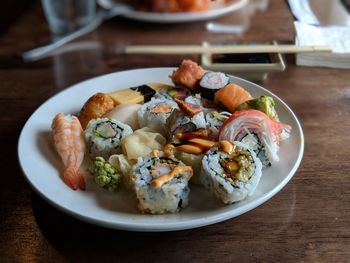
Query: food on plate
[(105, 175), (156, 140), (190, 109), (69, 142), (161, 183), (188, 75), (255, 129), (159, 86), (171, 6), (211, 82), (231, 96), (214, 121), (141, 143), (188, 118), (200, 133), (191, 152), (139, 94), (154, 114), (180, 122), (95, 107), (125, 113), (193, 160), (195, 146), (266, 104), (230, 171), (178, 93), (103, 136), (123, 166)]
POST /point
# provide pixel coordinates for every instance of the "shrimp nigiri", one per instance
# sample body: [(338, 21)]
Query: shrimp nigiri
[(70, 145)]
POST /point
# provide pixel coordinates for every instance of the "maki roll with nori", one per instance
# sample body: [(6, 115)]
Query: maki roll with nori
[(230, 171), (211, 82), (154, 114), (179, 122), (214, 121), (161, 183), (103, 136), (188, 118), (257, 131)]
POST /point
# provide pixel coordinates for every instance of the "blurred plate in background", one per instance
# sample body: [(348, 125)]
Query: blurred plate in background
[(186, 16)]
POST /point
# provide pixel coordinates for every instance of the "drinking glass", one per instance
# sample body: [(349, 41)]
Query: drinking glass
[(65, 16)]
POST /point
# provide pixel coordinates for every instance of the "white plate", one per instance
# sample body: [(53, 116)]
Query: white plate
[(185, 16), (41, 164)]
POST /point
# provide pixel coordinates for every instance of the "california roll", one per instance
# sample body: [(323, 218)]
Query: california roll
[(154, 114), (103, 137)]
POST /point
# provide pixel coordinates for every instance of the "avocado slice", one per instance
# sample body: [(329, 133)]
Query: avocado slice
[(266, 104)]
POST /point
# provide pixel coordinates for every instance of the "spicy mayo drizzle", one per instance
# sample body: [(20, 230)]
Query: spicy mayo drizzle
[(226, 146), (158, 182)]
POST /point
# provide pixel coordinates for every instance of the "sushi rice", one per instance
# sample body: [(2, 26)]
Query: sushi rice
[(147, 116), (179, 122), (104, 135), (168, 197), (218, 182)]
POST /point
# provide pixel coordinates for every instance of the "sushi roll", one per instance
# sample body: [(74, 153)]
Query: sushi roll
[(179, 122), (256, 130), (103, 137), (154, 114), (211, 82), (179, 93), (230, 171), (214, 121), (197, 100), (161, 183), (193, 160), (188, 118)]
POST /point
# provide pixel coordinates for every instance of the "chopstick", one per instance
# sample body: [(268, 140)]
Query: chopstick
[(196, 49)]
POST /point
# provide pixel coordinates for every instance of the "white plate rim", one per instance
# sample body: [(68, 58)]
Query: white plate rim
[(194, 223), (184, 16)]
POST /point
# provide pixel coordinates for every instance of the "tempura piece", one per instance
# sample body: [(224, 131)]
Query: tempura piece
[(95, 107)]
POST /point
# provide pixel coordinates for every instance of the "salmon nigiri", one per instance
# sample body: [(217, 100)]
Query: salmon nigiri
[(70, 145), (232, 95)]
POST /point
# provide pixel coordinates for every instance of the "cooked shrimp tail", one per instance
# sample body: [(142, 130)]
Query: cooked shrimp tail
[(70, 145), (74, 178)]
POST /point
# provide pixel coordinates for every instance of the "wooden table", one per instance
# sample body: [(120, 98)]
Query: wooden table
[(308, 221)]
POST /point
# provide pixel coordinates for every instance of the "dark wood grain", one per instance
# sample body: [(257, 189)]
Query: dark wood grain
[(308, 221)]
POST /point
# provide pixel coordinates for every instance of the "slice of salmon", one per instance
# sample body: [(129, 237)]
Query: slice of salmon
[(188, 108), (161, 108), (188, 74), (232, 95)]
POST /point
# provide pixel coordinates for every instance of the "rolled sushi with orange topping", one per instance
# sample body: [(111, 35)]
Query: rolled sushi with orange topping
[(230, 171), (161, 183)]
